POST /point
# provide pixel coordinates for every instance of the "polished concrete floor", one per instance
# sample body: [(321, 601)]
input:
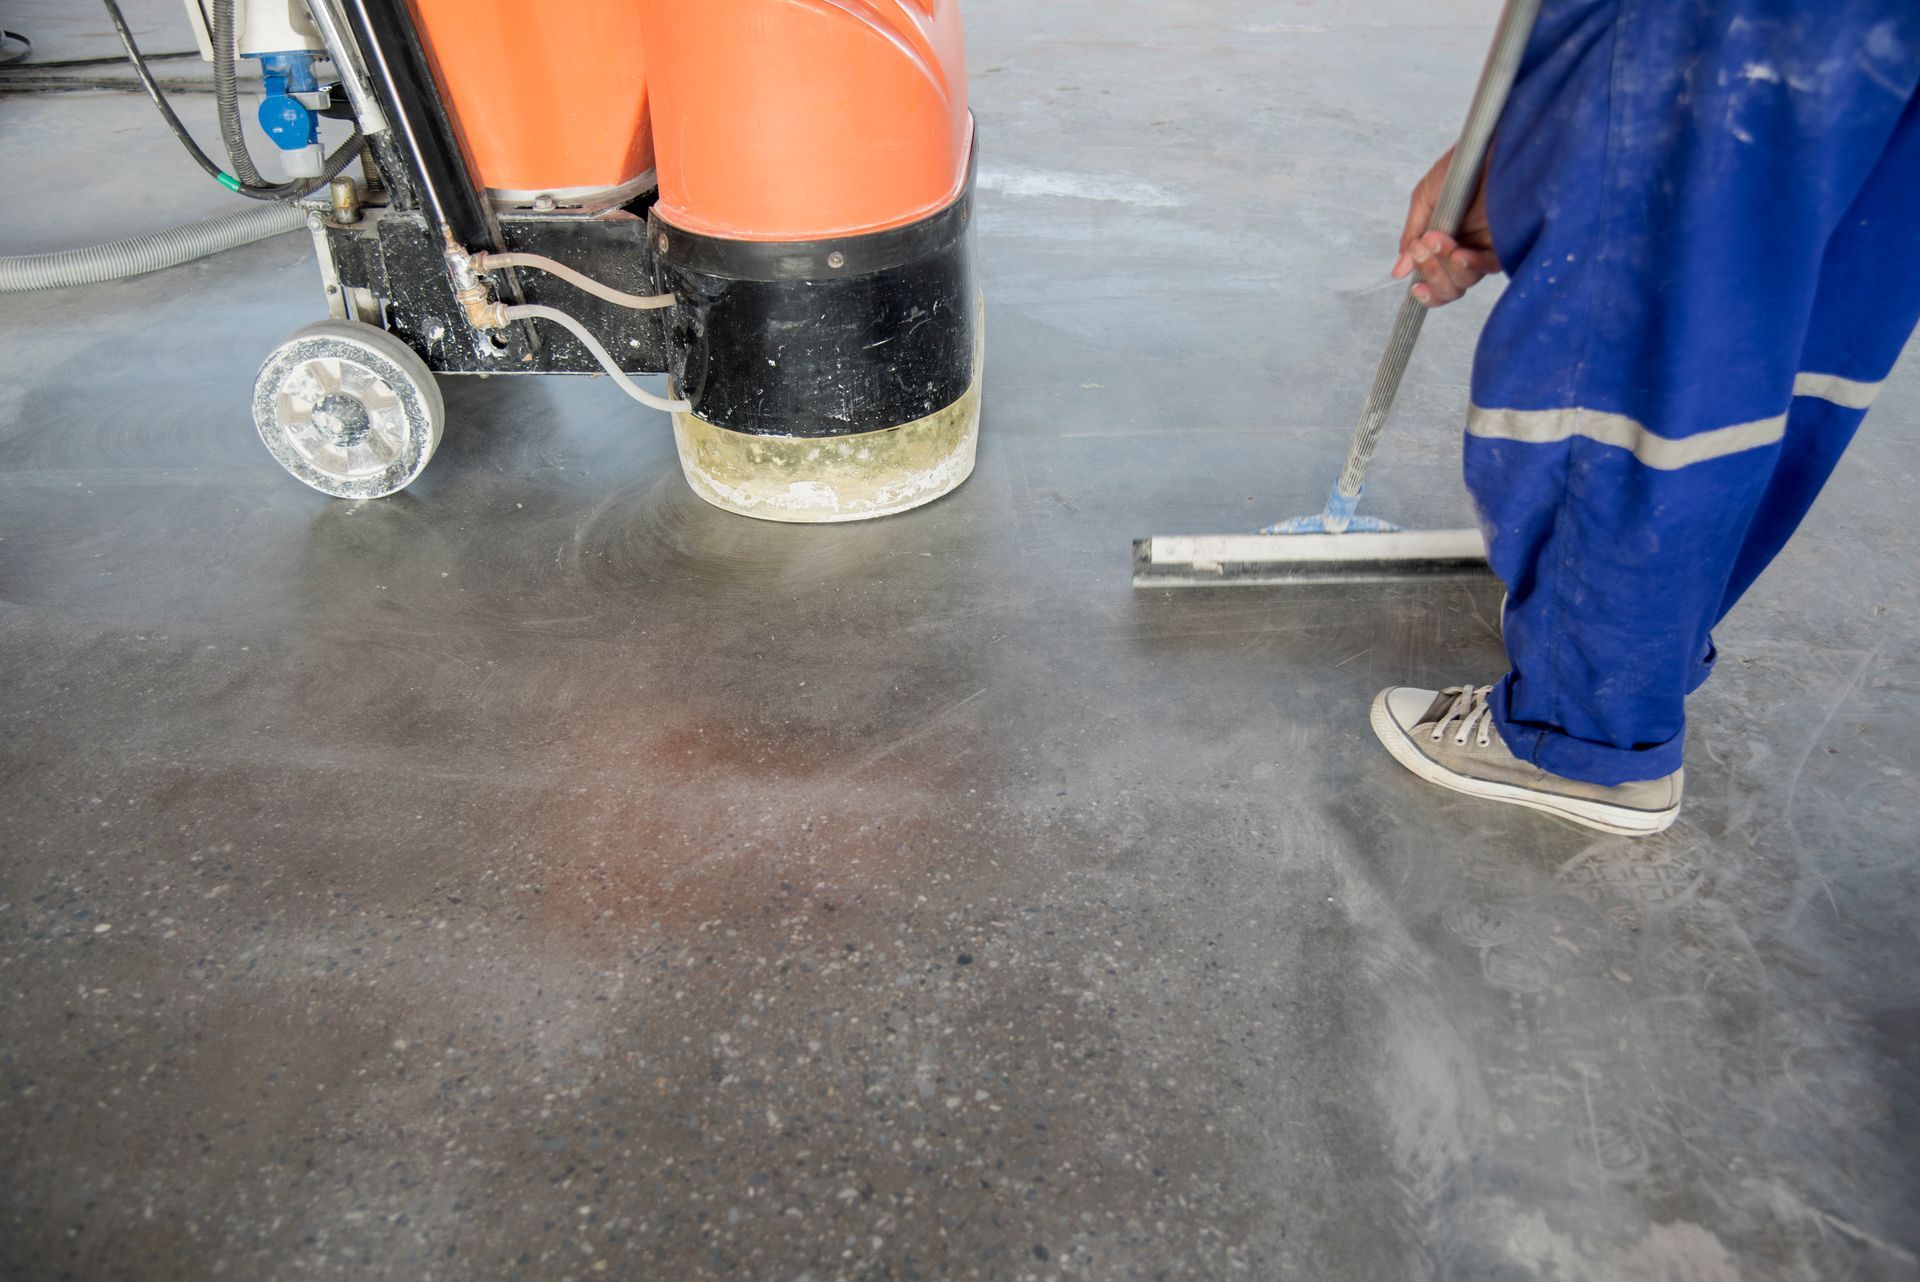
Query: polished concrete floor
[(542, 875)]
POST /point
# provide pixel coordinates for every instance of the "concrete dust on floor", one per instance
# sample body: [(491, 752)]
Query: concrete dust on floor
[(543, 874)]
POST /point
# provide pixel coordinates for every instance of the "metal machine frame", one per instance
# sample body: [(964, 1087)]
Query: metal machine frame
[(844, 365), (384, 257)]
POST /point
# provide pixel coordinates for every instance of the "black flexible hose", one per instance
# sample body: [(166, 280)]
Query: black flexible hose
[(120, 28), (298, 188), (226, 96)]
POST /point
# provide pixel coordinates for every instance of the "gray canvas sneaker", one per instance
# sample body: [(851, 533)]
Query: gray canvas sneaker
[(1448, 737)]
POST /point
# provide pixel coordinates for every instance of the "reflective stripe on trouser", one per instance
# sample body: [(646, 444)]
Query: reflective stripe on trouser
[(1706, 213)]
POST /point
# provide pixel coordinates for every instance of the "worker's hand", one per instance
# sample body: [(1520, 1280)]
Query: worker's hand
[(1448, 267)]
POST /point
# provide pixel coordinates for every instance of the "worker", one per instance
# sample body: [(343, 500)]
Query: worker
[(1707, 217)]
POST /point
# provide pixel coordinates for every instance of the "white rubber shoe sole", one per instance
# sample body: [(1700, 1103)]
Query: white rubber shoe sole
[(1621, 820)]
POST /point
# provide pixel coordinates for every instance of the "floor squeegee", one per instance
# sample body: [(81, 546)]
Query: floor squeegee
[(1338, 546)]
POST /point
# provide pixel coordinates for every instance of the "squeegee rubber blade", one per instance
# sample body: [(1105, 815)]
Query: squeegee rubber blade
[(1282, 560)]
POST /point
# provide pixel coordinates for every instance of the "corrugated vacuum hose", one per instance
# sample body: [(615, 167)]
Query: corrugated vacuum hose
[(138, 255)]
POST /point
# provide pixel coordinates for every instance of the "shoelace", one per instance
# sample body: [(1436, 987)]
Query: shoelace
[(1471, 709)]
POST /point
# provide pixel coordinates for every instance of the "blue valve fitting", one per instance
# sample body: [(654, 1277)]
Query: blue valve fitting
[(289, 122)]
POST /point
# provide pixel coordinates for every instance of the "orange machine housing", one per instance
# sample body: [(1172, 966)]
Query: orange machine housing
[(770, 119), (802, 119), (547, 98), (812, 220)]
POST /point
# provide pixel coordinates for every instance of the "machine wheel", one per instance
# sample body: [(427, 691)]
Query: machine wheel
[(349, 409)]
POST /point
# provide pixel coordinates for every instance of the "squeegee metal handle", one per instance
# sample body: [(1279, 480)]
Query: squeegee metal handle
[(1463, 176)]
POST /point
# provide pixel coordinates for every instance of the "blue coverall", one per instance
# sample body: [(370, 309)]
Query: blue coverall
[(1709, 211)]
